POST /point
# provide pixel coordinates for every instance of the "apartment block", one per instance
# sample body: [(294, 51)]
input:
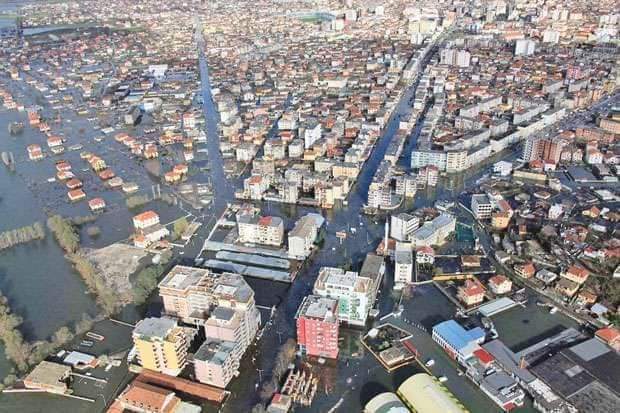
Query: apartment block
[(317, 326), (161, 345)]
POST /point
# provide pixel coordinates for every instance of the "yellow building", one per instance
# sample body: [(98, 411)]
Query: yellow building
[(161, 345), (424, 394)]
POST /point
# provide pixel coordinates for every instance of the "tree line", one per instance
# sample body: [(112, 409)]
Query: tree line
[(21, 235), (69, 240), (24, 354)]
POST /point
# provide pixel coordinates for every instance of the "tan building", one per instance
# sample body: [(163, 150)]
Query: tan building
[(49, 377)]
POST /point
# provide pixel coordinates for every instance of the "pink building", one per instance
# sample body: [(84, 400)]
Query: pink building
[(317, 327)]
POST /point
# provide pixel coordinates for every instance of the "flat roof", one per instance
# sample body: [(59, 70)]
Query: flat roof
[(496, 306), (182, 277), (154, 327)]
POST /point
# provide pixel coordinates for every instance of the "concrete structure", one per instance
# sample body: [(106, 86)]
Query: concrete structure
[(223, 304), (161, 345), (317, 326), (50, 377), (215, 362)]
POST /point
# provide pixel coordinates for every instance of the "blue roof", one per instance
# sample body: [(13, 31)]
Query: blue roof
[(456, 335)]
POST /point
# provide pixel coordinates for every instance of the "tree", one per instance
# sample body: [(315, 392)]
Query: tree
[(145, 283), (64, 232), (180, 226), (62, 336)]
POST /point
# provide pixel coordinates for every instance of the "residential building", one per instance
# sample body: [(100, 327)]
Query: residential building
[(526, 270), (223, 304), (481, 206), (303, 235), (403, 225), (161, 345), (317, 326), (355, 294), (471, 293), (254, 229), (403, 265), (525, 47), (215, 362), (434, 232), (576, 274), (500, 284)]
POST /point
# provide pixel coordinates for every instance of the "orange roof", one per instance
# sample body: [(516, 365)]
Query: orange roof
[(150, 397), (608, 334), (578, 272), (472, 288), (498, 279), (146, 215)]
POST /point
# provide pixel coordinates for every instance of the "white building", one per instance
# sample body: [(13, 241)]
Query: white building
[(403, 265), (302, 237), (481, 206), (503, 168), (312, 133), (434, 232), (525, 47), (355, 294), (555, 211), (254, 229), (403, 225)]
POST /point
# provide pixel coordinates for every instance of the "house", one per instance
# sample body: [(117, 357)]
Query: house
[(500, 284), (73, 183), (76, 195), (471, 293), (576, 274), (526, 270), (425, 255), (470, 261), (567, 287), (96, 204), (610, 336)]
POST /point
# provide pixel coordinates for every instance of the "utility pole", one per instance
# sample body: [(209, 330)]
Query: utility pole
[(260, 375)]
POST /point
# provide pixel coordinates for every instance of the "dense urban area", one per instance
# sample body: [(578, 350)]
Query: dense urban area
[(379, 206)]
